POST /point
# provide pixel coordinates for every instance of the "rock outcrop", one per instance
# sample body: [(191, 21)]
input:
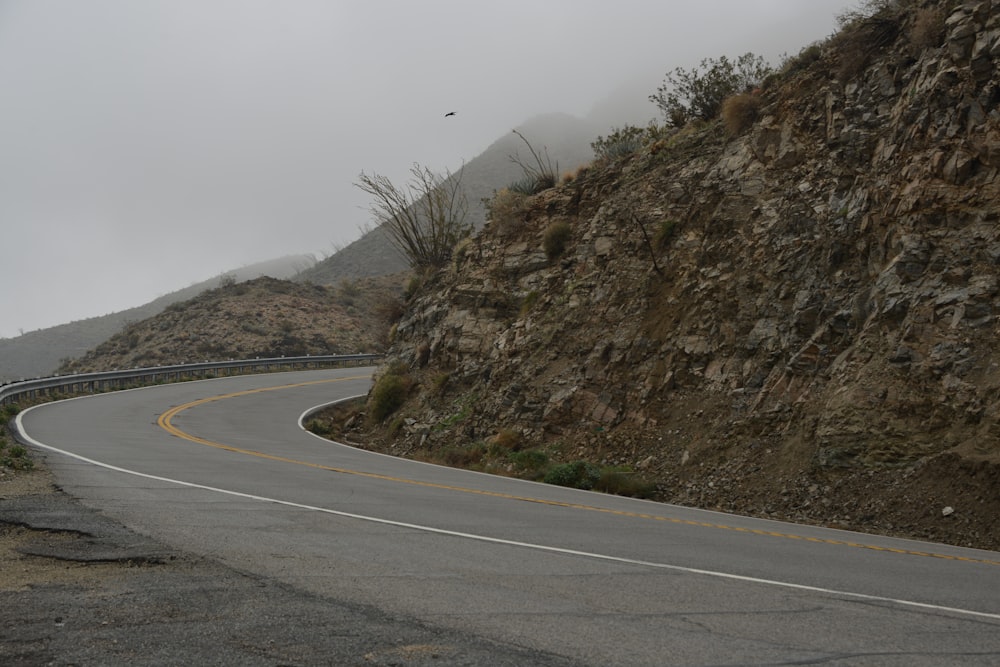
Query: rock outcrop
[(762, 316)]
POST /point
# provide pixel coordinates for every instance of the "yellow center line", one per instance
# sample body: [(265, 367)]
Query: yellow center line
[(165, 421)]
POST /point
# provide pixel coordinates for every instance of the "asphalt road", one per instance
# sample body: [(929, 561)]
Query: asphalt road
[(221, 468)]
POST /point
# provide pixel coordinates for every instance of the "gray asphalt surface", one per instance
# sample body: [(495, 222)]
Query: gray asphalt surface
[(140, 602), (594, 579)]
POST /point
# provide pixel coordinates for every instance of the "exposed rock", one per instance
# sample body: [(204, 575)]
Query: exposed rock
[(825, 308)]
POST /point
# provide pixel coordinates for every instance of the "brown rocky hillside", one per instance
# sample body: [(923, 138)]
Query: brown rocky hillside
[(264, 317), (800, 321)]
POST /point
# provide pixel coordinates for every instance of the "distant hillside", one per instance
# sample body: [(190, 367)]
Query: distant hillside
[(264, 317), (567, 141), (38, 353)]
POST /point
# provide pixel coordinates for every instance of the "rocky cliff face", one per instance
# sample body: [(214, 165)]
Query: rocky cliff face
[(798, 321)]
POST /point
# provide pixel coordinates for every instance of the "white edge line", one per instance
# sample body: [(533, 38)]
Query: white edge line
[(497, 540)]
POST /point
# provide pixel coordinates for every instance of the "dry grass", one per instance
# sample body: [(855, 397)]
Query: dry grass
[(928, 26), (740, 111), (507, 210)]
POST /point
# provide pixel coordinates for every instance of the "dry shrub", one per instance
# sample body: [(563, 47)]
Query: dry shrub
[(508, 439), (928, 26), (861, 37), (740, 111), (556, 236), (507, 210)]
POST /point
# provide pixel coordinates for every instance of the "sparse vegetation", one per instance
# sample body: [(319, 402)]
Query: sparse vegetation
[(426, 219), (740, 111), (665, 233), (389, 393), (528, 302), (541, 175), (506, 210), (928, 28), (622, 481), (698, 93), (864, 31), (556, 237), (531, 463), (621, 142), (439, 383), (14, 456), (576, 474), (801, 61), (460, 252), (507, 439)]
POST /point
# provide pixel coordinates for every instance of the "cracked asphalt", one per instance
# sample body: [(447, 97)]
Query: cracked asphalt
[(79, 589)]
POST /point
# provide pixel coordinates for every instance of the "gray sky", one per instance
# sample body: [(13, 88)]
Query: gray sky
[(149, 144)]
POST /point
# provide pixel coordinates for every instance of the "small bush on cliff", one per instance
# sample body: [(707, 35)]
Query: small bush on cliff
[(424, 220), (389, 393), (864, 32), (621, 142), (556, 236), (740, 111), (928, 28), (507, 439), (541, 175), (698, 93), (506, 210)]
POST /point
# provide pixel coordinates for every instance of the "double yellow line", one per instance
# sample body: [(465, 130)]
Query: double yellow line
[(165, 421)]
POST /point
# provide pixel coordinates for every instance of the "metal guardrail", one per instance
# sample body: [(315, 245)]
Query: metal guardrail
[(98, 382)]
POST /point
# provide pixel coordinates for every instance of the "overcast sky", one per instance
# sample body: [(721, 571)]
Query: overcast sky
[(149, 144)]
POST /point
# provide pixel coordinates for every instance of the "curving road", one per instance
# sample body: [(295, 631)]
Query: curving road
[(223, 468)]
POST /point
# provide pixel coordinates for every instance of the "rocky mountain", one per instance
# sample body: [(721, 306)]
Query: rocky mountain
[(794, 317), (262, 318), (38, 353)]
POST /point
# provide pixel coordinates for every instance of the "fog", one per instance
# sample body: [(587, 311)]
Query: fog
[(146, 145)]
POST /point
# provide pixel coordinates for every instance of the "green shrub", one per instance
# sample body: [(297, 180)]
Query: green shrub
[(529, 460), (555, 238), (524, 186), (577, 475), (396, 426), (621, 142), (389, 393), (802, 60), (15, 458), (698, 93), (506, 210)]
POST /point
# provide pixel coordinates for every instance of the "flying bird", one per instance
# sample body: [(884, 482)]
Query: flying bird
[(450, 113)]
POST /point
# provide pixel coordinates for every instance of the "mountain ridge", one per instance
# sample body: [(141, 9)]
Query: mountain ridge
[(40, 352)]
